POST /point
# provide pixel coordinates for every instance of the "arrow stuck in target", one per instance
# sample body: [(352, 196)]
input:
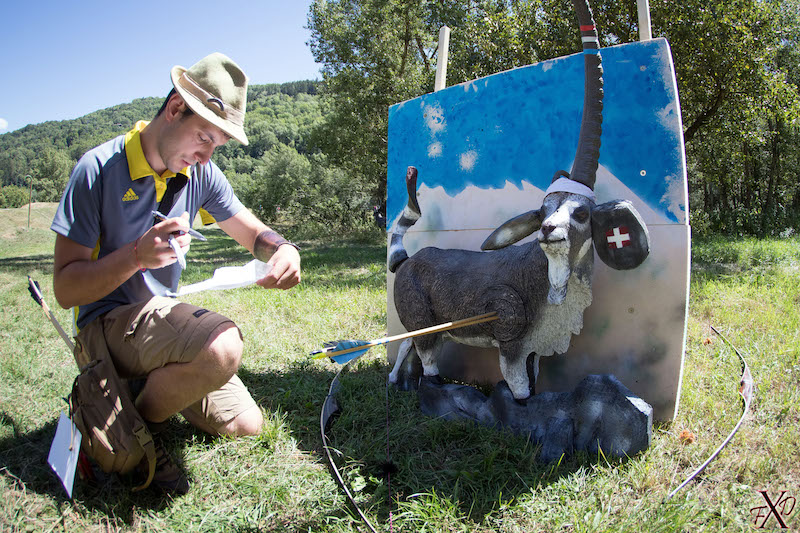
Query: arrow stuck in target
[(346, 350)]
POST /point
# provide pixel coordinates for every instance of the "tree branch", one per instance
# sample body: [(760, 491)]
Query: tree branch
[(422, 53), (406, 42), (706, 115)]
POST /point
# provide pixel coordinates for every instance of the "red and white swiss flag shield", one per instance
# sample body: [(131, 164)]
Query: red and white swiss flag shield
[(620, 235)]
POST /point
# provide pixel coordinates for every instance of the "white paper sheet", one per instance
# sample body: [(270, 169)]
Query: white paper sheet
[(230, 278), (64, 450)]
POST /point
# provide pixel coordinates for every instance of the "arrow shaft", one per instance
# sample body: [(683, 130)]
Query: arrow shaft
[(39, 299), (471, 321), (58, 327)]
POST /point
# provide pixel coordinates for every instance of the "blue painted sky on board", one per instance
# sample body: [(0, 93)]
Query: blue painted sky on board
[(523, 124)]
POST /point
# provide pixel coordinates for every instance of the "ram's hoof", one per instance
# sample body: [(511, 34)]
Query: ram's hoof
[(433, 380)]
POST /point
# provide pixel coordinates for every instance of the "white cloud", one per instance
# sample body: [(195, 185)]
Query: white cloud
[(474, 207), (434, 118), (670, 118), (435, 150), (3, 125), (467, 160), (675, 197)]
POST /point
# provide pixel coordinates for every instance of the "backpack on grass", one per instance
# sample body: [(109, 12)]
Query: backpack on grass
[(114, 433)]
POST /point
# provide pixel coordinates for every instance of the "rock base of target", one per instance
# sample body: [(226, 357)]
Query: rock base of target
[(599, 414)]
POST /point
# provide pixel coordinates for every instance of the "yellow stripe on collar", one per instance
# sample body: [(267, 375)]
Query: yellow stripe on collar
[(138, 167)]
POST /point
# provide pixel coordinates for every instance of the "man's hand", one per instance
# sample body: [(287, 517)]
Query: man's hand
[(153, 249), (78, 279), (267, 246), (285, 272)]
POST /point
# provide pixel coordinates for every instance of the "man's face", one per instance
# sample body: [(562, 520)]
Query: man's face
[(188, 140)]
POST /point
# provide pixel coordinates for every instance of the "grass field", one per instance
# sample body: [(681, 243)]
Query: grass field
[(451, 477)]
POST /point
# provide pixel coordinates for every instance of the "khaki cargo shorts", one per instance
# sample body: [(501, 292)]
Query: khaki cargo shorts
[(145, 336)]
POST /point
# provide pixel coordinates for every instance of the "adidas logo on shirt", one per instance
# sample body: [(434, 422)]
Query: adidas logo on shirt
[(130, 196)]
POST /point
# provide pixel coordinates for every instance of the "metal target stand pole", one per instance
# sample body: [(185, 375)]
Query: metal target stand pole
[(645, 31)]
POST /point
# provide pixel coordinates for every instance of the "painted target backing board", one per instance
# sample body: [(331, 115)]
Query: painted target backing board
[(487, 149)]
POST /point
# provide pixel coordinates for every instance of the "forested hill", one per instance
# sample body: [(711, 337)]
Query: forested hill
[(21, 151), (280, 122)]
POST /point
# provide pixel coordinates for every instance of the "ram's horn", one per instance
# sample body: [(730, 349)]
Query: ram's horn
[(584, 169)]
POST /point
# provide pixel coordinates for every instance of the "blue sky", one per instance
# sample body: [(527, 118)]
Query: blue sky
[(61, 60)]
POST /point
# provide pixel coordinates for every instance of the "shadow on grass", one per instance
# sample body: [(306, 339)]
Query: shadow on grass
[(23, 462), (476, 468), (720, 258), (23, 456), (298, 392), (23, 265)]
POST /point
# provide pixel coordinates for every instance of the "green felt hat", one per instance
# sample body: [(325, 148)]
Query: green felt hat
[(216, 89)]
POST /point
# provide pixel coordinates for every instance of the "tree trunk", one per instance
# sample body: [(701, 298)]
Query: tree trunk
[(724, 209), (749, 172), (774, 168), (423, 54)]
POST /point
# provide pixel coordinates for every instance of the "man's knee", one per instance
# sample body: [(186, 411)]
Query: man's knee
[(223, 350), (249, 422)]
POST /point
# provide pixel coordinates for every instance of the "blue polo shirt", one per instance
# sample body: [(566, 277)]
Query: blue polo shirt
[(109, 200)]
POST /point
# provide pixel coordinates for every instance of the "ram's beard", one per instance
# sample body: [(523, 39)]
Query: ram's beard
[(558, 273)]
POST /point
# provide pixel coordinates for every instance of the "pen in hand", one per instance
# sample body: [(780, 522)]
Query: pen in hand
[(194, 233)]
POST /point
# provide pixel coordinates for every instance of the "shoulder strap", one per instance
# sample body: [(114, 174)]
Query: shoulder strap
[(174, 186)]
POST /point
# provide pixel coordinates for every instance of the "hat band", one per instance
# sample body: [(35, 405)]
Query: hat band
[(570, 186), (212, 102)]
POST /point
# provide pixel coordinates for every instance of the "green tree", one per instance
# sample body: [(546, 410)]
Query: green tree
[(277, 182), (376, 53), (51, 174), (738, 105), (733, 58), (13, 196)]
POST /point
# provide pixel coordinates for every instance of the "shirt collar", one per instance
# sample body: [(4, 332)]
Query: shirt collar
[(138, 167)]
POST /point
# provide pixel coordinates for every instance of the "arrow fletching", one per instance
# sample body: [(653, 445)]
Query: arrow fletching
[(35, 290), (344, 358), (343, 351)]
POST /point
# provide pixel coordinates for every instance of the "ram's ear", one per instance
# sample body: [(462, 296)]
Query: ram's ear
[(620, 235), (513, 230)]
